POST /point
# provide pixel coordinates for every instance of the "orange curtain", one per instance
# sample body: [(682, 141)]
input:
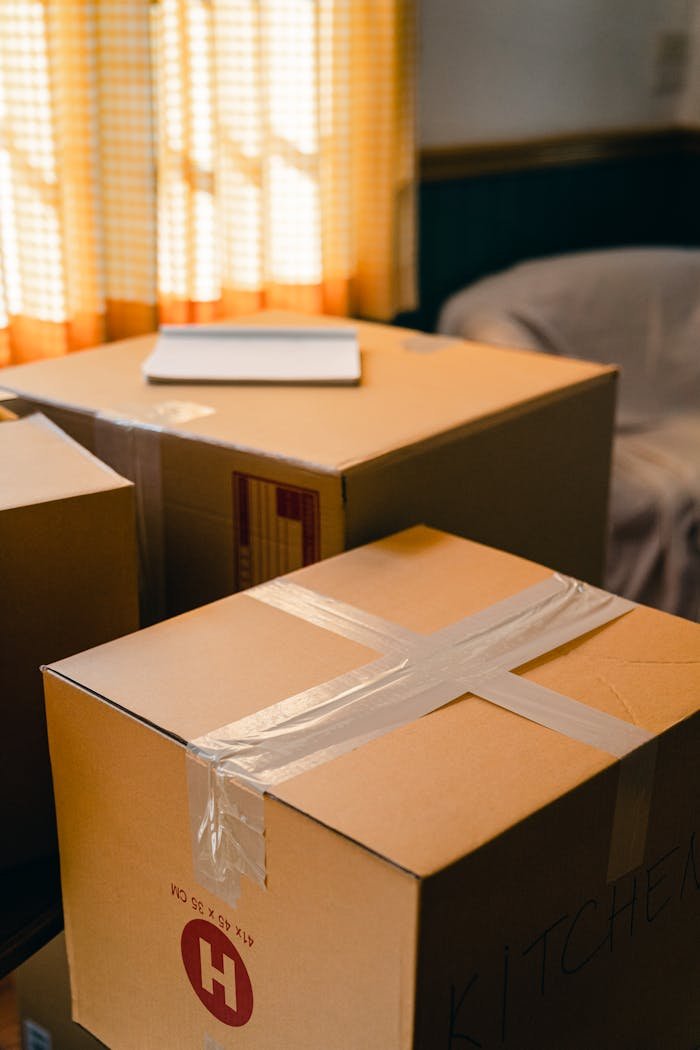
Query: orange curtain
[(192, 159), (77, 188)]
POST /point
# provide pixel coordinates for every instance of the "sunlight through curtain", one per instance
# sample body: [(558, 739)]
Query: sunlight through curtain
[(77, 194), (192, 159)]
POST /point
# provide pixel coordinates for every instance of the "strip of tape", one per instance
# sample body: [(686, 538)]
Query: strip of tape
[(230, 769), (129, 439)]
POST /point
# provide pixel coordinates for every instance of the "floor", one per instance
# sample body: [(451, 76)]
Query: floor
[(9, 1025)]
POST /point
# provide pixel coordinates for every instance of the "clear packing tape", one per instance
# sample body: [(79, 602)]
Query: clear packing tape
[(129, 440), (230, 769)]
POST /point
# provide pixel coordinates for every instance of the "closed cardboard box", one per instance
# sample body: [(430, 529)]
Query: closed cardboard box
[(68, 578), (236, 485), (422, 795)]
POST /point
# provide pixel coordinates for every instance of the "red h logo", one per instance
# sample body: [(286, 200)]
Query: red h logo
[(217, 973)]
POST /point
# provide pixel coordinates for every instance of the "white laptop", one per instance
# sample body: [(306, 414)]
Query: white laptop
[(254, 354)]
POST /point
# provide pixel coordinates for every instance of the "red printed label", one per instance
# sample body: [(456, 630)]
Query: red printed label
[(217, 973), (276, 529)]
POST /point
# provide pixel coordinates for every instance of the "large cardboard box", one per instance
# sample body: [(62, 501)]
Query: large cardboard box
[(68, 580), (435, 879), (239, 484)]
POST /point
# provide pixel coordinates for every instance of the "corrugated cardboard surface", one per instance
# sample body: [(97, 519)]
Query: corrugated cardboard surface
[(407, 395), (134, 896), (507, 447), (39, 464), (525, 945), (534, 483), (68, 572), (392, 870)]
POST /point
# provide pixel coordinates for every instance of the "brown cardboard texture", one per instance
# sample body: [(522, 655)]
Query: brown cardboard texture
[(442, 886), (239, 484), (68, 572)]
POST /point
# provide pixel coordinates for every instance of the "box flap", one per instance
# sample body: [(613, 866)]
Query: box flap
[(39, 463), (414, 388), (444, 784)]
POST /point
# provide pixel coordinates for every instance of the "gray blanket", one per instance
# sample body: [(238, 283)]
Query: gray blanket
[(639, 309)]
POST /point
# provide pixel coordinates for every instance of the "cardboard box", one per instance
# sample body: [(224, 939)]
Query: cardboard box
[(240, 484), (43, 1001), (468, 878), (69, 581)]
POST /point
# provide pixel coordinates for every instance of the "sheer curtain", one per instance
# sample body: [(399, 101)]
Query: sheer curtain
[(192, 159)]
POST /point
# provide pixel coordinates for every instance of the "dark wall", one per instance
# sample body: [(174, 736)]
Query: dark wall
[(471, 227)]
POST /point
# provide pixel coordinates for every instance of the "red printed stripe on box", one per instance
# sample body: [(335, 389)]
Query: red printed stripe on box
[(276, 528)]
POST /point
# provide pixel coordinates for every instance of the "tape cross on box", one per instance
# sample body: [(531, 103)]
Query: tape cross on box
[(230, 768)]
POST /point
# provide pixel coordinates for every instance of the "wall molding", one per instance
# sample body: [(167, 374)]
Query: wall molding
[(465, 161)]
